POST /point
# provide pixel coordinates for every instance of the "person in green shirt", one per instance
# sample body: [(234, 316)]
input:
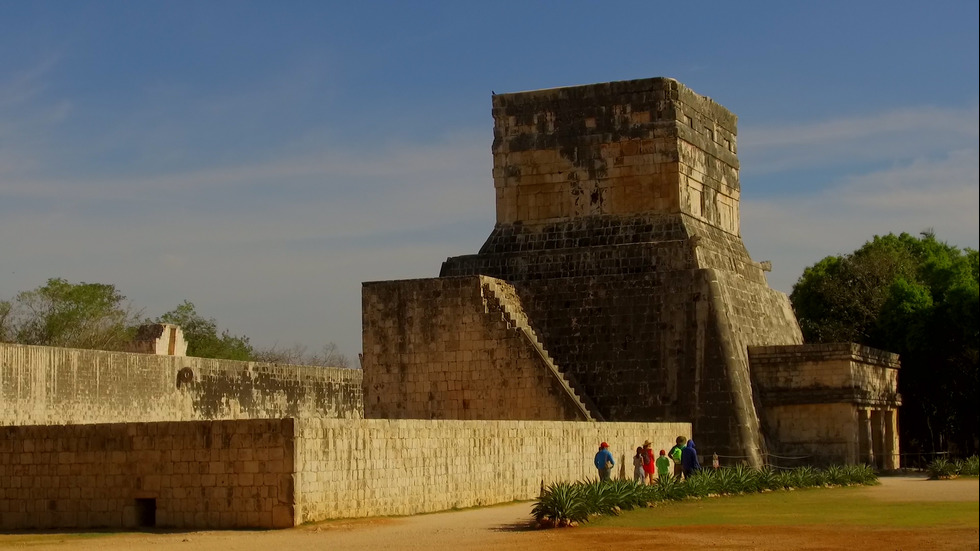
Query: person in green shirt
[(675, 456), (663, 465)]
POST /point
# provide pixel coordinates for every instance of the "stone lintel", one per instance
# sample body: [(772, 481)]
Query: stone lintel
[(824, 395), (802, 353)]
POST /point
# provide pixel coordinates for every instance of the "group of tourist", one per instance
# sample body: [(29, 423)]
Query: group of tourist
[(682, 460)]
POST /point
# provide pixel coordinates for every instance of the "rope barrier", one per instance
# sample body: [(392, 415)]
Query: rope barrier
[(770, 456), (788, 457), (910, 454)]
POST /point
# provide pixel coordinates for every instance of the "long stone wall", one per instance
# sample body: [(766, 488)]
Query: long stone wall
[(280, 473), (221, 474), (400, 467), (45, 385)]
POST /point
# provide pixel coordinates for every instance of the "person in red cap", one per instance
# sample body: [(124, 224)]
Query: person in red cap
[(663, 465), (604, 462)]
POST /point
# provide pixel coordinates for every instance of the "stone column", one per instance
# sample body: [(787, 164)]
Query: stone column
[(878, 444), (866, 452), (892, 457)]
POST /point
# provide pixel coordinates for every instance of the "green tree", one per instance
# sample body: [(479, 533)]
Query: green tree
[(918, 297), (201, 334), (76, 315)]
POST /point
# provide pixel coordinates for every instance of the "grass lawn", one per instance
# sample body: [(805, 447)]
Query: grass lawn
[(821, 506)]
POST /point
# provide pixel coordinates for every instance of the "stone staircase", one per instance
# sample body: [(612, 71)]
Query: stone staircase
[(501, 297)]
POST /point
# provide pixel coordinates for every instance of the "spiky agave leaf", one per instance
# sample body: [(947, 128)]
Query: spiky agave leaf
[(561, 503), (766, 479), (968, 466), (627, 494), (598, 497), (698, 484)]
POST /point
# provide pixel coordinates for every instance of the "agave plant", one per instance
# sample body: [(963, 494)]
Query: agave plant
[(819, 478), (863, 474), (564, 503), (744, 479), (699, 484), (668, 488), (647, 494), (835, 475), (561, 504), (784, 480), (599, 497), (968, 466), (626, 494), (723, 481), (941, 468), (804, 477), (765, 479)]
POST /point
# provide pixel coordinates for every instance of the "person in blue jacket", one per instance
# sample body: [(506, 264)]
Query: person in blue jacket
[(689, 459), (604, 462)]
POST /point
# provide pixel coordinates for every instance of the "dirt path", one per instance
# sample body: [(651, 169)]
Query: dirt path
[(918, 488), (505, 527)]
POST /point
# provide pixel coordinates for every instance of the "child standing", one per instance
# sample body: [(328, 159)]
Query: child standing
[(663, 465), (638, 462), (648, 467)]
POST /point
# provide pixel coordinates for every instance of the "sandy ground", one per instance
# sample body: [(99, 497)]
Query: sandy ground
[(506, 527)]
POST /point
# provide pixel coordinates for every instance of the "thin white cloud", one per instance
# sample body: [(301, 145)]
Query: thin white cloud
[(23, 86), (891, 136), (923, 188), (796, 231), (341, 196), (388, 166), (955, 121)]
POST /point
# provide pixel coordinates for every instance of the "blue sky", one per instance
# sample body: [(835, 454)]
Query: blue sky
[(262, 159)]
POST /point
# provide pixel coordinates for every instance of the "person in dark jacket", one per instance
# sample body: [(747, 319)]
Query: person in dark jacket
[(689, 459)]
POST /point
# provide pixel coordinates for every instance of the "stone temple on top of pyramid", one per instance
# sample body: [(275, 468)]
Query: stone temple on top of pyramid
[(615, 286)]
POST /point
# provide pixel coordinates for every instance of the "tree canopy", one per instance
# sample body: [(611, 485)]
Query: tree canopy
[(916, 296), (98, 316), (203, 339), (77, 315)]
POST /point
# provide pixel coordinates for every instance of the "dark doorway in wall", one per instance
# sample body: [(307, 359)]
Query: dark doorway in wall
[(146, 512)]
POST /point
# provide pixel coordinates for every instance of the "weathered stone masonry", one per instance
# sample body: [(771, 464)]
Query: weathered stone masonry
[(618, 235), (42, 385), (223, 474), (458, 348), (617, 223), (281, 473), (830, 402)]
